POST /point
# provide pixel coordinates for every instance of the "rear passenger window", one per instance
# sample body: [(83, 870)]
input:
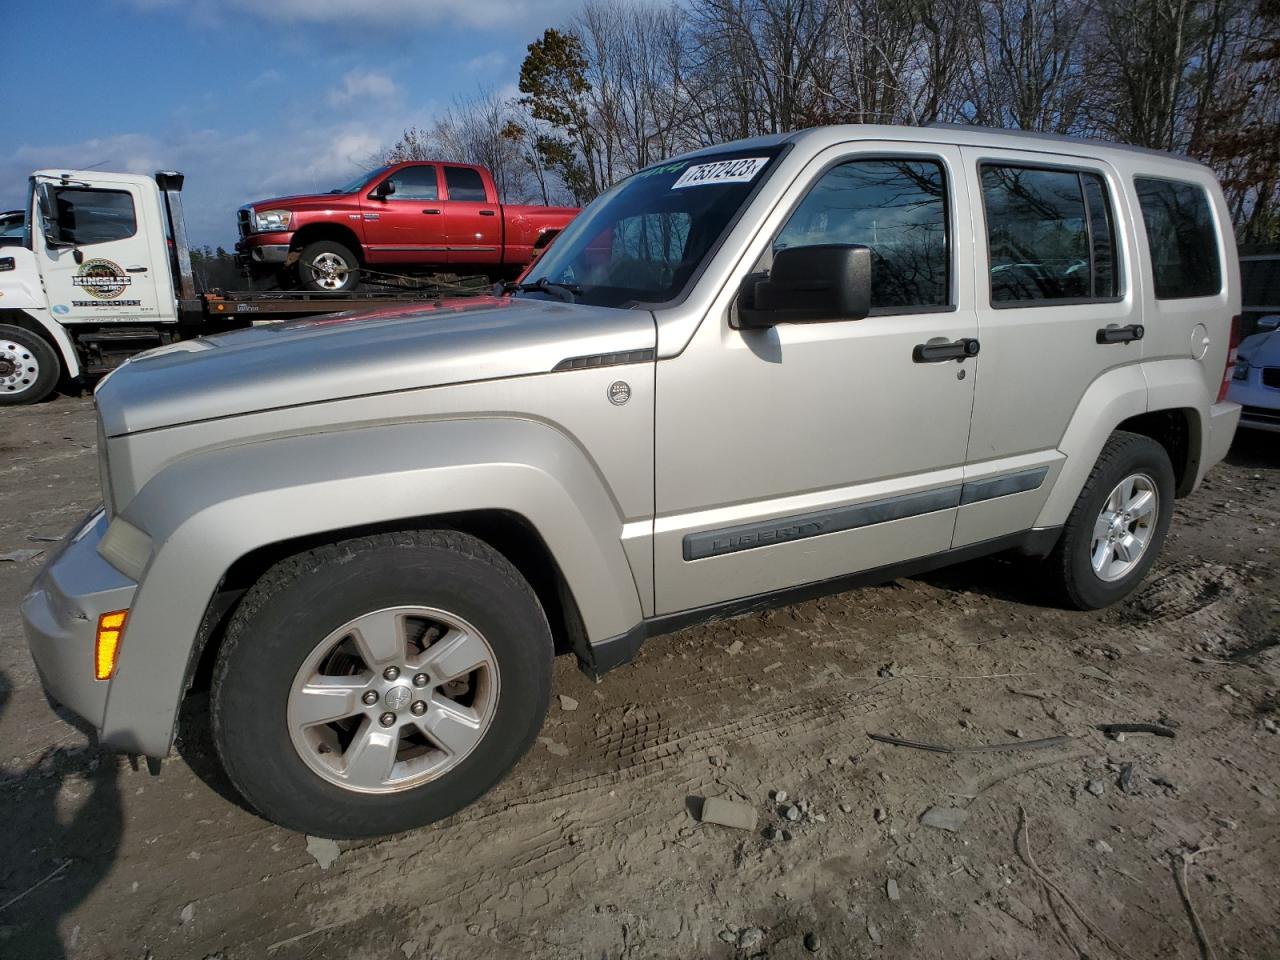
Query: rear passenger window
[(1180, 232), (1050, 235), (898, 208), (464, 184)]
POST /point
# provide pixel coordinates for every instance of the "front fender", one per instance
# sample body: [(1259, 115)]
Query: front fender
[(205, 512)]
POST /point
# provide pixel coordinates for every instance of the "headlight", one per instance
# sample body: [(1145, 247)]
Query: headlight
[(126, 548), (1241, 371), (269, 221)]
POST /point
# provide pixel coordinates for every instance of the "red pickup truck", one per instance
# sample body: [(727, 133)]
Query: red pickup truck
[(444, 216)]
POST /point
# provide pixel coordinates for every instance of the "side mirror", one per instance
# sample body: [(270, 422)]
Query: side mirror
[(385, 189), (808, 285), (47, 203)]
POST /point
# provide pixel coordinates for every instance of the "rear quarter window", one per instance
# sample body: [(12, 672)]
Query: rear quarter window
[(1178, 218)]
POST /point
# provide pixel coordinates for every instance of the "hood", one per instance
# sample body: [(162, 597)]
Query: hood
[(301, 201), (339, 356), (1261, 349)]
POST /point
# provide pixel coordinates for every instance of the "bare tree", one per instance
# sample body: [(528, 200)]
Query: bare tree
[(1026, 67), (470, 131)]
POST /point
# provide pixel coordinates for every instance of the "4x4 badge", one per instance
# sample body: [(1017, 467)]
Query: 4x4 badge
[(619, 392)]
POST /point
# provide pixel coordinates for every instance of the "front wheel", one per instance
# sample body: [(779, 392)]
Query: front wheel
[(29, 368), (1118, 524), (328, 267), (379, 684)]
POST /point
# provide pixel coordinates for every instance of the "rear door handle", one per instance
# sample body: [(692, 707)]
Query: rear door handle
[(939, 352), (1115, 334), (431, 210), (486, 213), (136, 269)]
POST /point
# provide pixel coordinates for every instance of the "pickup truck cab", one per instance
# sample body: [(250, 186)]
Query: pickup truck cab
[(415, 214), (748, 375)]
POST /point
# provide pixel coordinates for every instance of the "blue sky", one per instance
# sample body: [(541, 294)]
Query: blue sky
[(249, 98)]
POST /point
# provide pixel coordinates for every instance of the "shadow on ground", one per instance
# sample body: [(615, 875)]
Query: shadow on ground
[(1255, 448), (63, 822)]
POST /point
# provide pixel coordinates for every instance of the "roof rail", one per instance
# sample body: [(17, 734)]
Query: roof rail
[(1062, 138)]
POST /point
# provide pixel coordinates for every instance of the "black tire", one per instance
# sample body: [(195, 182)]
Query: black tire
[(311, 278), (1073, 575), (29, 367), (300, 601)]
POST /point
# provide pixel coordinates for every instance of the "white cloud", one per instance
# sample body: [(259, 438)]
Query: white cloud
[(495, 14), (487, 62), (362, 86), (386, 14)]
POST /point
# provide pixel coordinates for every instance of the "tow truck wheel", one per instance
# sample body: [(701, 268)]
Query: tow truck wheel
[(29, 368), (328, 267)]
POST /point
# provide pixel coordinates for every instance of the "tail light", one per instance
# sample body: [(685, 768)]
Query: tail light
[(1233, 348)]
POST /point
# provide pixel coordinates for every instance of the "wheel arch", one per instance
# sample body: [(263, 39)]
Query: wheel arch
[(1179, 431), (509, 533), (217, 517), (337, 232), (52, 332), (545, 236)]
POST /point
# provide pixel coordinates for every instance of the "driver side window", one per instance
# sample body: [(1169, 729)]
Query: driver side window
[(898, 208), (415, 183)]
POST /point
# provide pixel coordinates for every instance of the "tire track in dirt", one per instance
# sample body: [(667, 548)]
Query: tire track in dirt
[(639, 751)]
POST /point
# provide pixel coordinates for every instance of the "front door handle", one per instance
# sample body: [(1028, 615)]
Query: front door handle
[(136, 269), (939, 352), (431, 210), (1116, 334), (486, 213)]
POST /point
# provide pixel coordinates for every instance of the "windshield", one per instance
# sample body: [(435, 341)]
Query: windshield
[(360, 181), (643, 240)]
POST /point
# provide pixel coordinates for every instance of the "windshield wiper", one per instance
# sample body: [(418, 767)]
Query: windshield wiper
[(568, 292)]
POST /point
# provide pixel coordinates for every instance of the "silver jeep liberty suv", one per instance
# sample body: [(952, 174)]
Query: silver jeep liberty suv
[(747, 375)]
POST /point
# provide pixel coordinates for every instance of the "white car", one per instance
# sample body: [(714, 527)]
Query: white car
[(1255, 383)]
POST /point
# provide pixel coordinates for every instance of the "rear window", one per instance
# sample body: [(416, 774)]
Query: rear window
[(1049, 236), (464, 184), (1180, 232)]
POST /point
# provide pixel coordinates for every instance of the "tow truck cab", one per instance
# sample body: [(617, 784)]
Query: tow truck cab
[(98, 270)]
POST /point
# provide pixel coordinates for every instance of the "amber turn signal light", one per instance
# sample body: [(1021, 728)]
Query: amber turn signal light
[(110, 629)]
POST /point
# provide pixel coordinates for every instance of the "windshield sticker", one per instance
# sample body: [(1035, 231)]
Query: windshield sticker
[(664, 168), (724, 171)]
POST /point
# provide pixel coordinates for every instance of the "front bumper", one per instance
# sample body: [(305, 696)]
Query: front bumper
[(264, 248), (1261, 403), (60, 616)]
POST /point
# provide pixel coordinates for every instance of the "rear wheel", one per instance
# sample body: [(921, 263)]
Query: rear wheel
[(1118, 524), (328, 267), (29, 367), (379, 684)]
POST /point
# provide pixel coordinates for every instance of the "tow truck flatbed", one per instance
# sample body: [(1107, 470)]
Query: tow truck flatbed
[(279, 304)]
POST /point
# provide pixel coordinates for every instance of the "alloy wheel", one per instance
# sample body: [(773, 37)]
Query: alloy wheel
[(1125, 527), (329, 270), (393, 699)]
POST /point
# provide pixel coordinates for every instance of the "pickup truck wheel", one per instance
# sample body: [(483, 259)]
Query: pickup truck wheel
[(1118, 524), (29, 368), (378, 684), (328, 267)]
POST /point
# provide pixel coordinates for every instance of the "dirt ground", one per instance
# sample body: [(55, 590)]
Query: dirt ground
[(592, 848)]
